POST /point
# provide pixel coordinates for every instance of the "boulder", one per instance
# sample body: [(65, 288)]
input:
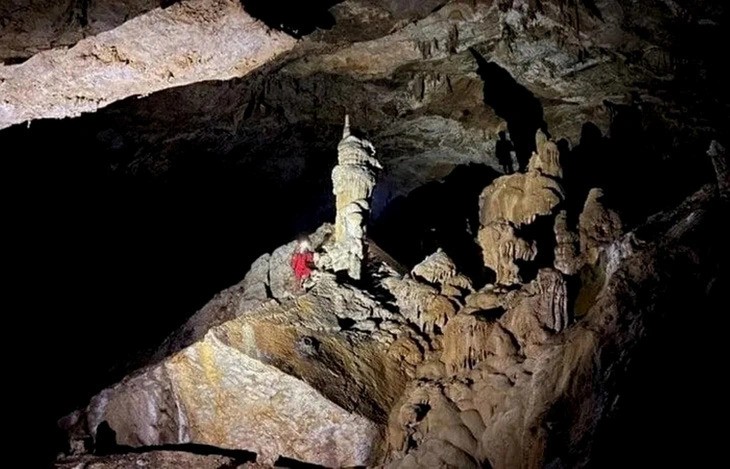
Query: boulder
[(296, 379), (439, 270)]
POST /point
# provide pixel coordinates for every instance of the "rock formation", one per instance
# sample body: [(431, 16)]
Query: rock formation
[(471, 339), (517, 382), (513, 202), (520, 198), (546, 159), (439, 269), (283, 379), (409, 370), (353, 180), (310, 377), (720, 162), (598, 226), (501, 247), (567, 246), (422, 305), (160, 459), (202, 41), (430, 296)]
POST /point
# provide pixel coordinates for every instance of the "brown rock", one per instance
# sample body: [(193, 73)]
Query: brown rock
[(598, 226), (288, 370), (484, 299), (430, 429), (538, 310), (421, 304), (519, 198), (470, 340), (439, 270), (501, 248), (513, 201), (565, 387), (546, 160), (567, 246), (435, 269)]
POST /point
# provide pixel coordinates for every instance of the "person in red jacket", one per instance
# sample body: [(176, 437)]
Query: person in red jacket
[(302, 262)]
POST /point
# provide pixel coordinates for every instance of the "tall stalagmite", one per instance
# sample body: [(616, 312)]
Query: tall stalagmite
[(353, 180)]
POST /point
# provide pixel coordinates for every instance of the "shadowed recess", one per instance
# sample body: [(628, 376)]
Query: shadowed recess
[(412, 228), (514, 103), (294, 17)]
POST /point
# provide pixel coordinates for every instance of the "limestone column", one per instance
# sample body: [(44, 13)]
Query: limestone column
[(353, 180)]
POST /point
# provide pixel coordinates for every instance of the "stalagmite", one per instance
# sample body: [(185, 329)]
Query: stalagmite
[(598, 226), (546, 159), (501, 248), (515, 201), (440, 270), (567, 246), (353, 180), (552, 289)]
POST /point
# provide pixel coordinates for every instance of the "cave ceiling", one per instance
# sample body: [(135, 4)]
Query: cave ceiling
[(431, 83)]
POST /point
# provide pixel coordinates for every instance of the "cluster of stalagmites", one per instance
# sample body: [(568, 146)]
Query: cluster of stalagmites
[(514, 202), (467, 409), (414, 369)]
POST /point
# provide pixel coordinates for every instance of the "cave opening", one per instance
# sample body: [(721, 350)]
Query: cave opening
[(631, 163)]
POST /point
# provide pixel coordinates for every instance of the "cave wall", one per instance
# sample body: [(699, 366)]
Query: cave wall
[(125, 220)]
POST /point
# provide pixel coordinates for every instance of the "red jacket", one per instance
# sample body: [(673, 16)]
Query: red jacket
[(302, 264)]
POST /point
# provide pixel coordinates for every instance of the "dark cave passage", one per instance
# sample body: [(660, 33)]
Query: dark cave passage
[(668, 404), (291, 16), (514, 103), (110, 263), (441, 214), (638, 164)]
